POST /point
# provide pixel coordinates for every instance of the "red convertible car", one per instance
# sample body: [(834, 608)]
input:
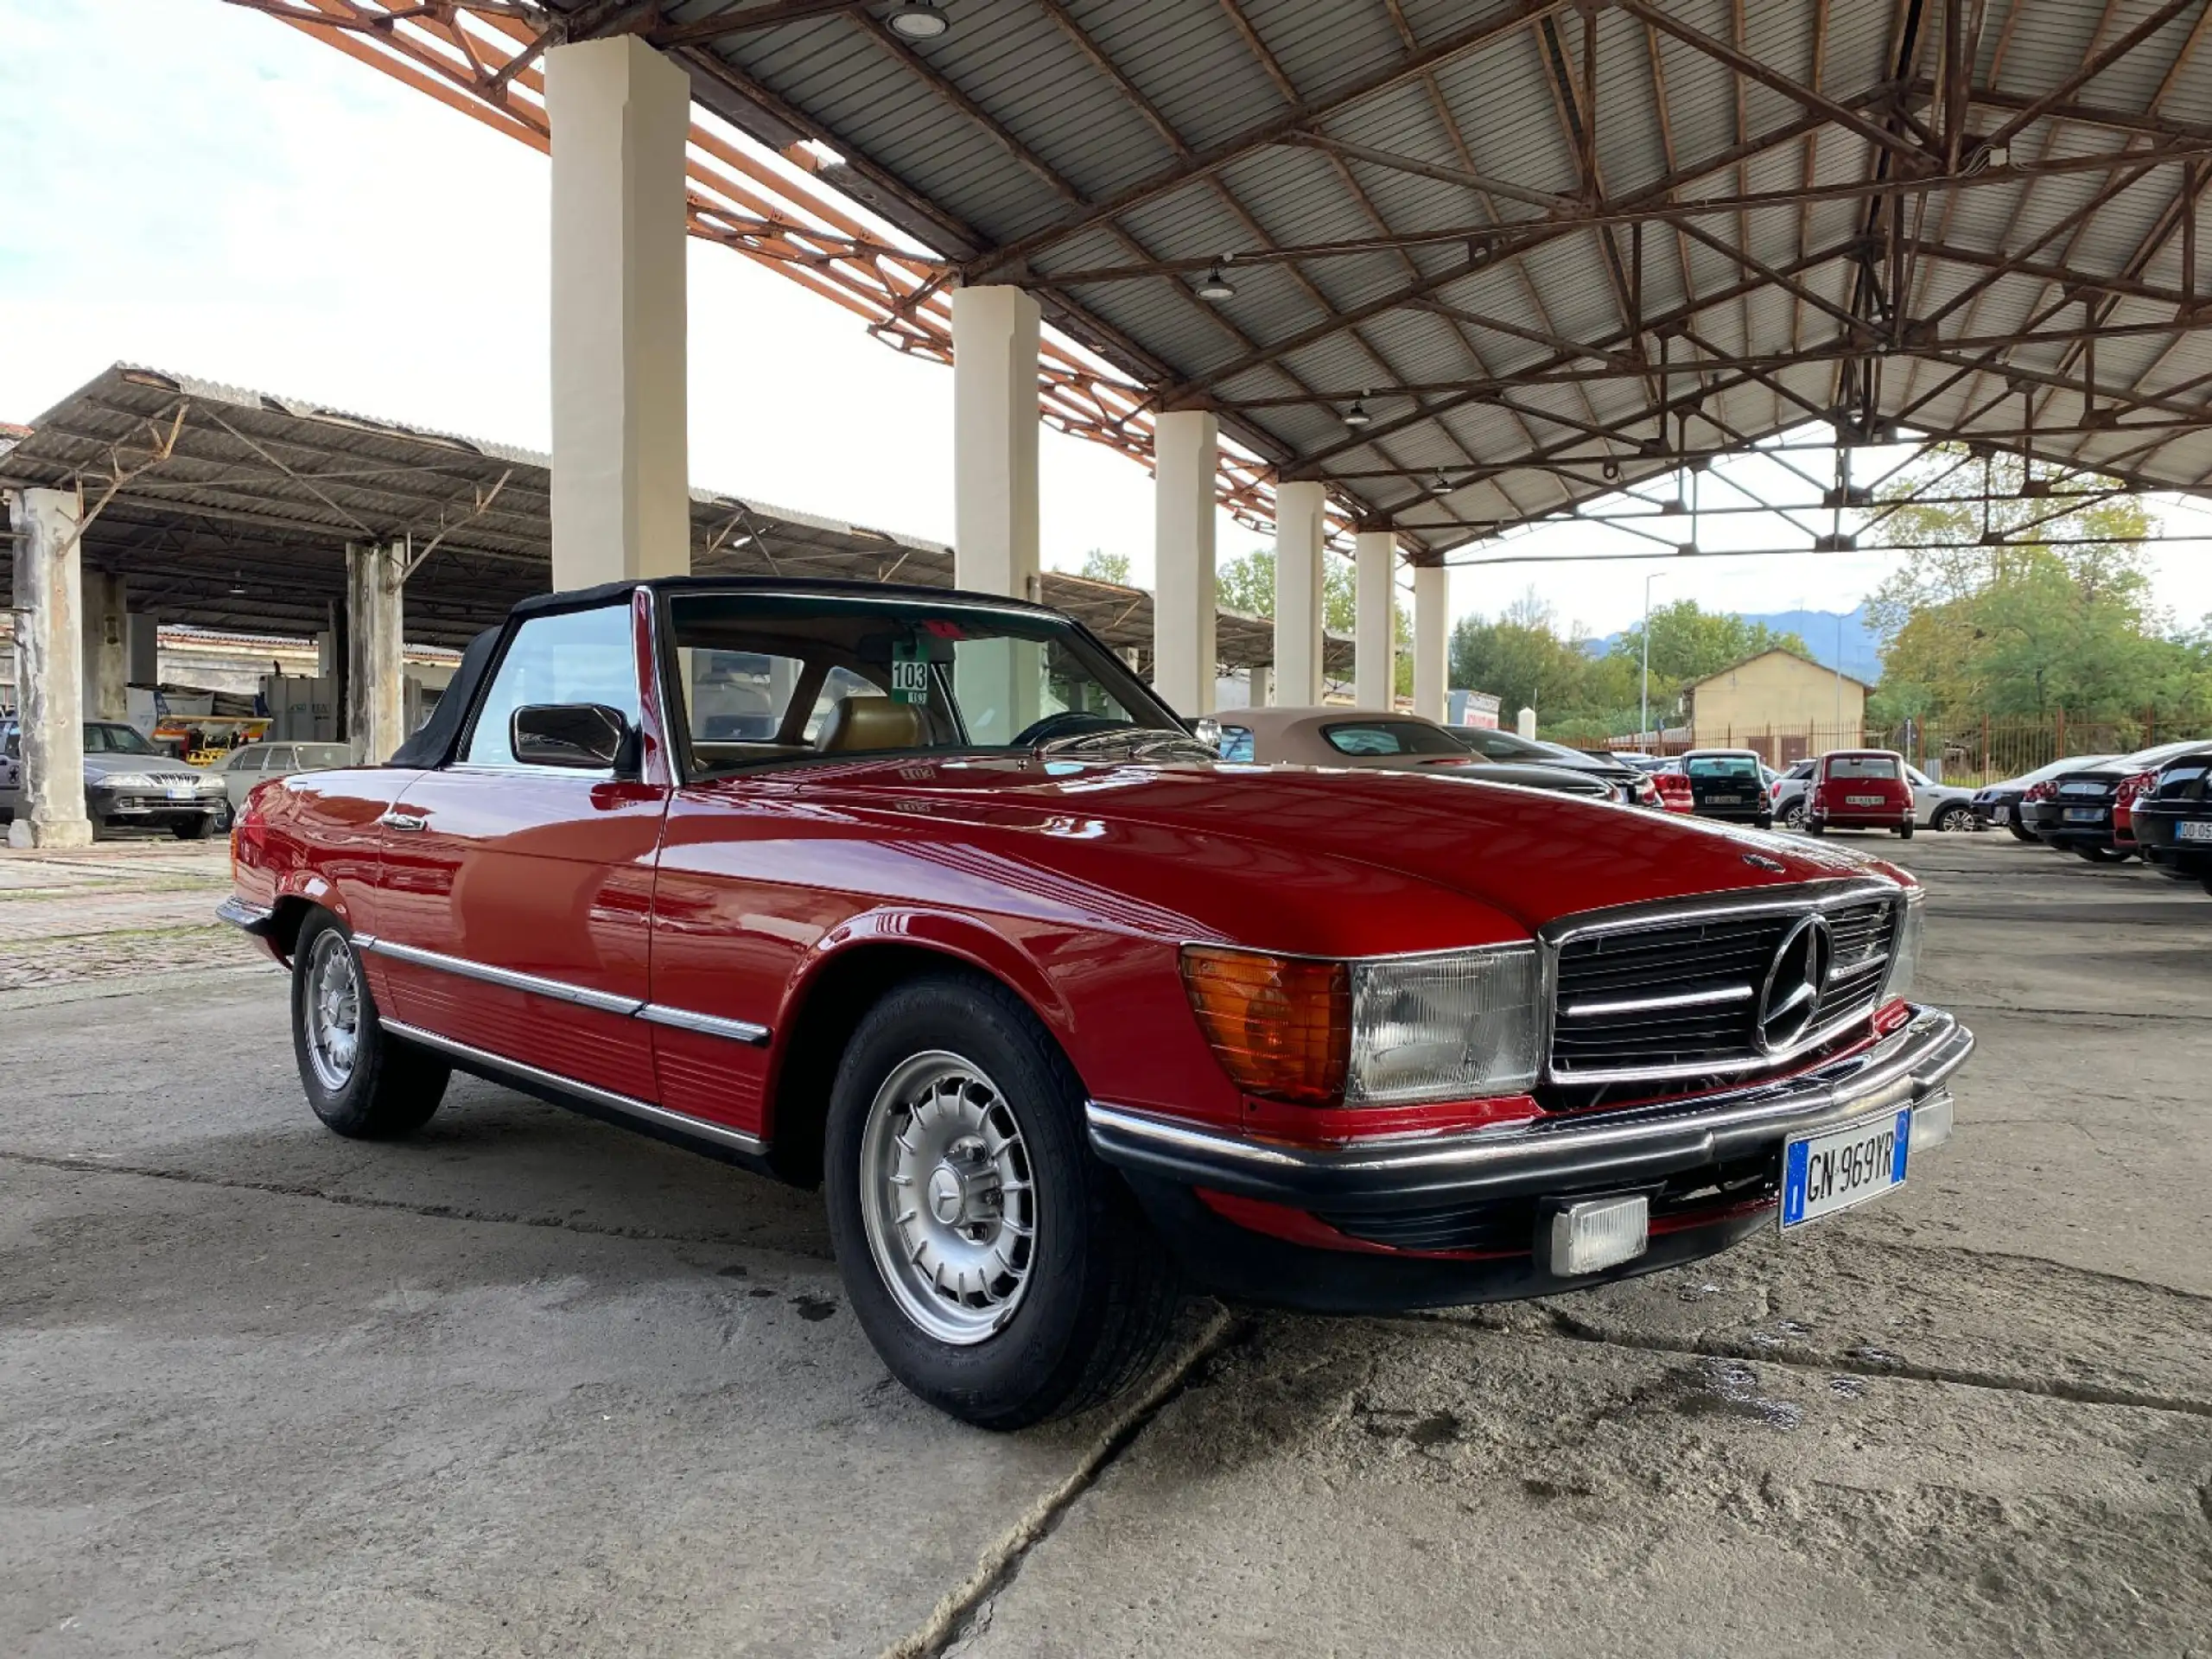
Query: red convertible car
[(925, 897)]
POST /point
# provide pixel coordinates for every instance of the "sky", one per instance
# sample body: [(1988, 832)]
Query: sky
[(202, 189)]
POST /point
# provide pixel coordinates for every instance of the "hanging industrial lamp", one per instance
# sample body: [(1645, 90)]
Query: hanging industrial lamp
[(1358, 414), (1215, 285), (917, 19)]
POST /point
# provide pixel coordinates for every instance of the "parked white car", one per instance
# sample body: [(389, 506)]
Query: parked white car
[(250, 762), (1935, 806)]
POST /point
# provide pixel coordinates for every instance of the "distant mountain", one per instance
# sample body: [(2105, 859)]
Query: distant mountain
[(1844, 640)]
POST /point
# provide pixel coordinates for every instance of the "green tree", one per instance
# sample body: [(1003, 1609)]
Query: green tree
[(1248, 584), (1099, 565), (1690, 644), (2026, 605)]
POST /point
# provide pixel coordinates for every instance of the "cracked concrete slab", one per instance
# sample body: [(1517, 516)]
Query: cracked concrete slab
[(528, 1385)]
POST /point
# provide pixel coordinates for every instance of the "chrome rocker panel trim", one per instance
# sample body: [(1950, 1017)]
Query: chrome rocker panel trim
[(643, 1111), (660, 1013), (1634, 1144)]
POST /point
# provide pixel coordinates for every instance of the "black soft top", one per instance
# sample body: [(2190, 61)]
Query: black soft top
[(434, 745)]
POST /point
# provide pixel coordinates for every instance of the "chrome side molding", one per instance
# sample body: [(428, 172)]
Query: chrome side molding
[(631, 1007), (644, 1111)]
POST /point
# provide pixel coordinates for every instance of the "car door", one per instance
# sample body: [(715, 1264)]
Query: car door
[(731, 923), (514, 899), (242, 772), (11, 770)]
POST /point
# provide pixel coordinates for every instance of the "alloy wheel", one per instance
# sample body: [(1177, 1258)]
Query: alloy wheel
[(948, 1197), (333, 1011)]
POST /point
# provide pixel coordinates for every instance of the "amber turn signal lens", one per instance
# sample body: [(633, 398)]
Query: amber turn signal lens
[(1281, 1027)]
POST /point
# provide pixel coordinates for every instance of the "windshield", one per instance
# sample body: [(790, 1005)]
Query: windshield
[(1863, 766), (769, 677), (101, 738), (1390, 737), (1722, 766), (1500, 745)]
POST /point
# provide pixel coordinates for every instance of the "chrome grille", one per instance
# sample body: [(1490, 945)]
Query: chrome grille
[(1675, 998)]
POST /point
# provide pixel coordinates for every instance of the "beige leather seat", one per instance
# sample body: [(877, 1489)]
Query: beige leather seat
[(861, 723)]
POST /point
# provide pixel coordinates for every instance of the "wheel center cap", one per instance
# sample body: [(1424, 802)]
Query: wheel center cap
[(947, 1195)]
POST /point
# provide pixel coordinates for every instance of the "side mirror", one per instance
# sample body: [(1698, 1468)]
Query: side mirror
[(1207, 730), (588, 736)]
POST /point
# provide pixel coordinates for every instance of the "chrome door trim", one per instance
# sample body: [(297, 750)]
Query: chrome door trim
[(708, 1025), (559, 990), (658, 1014), (644, 1111)]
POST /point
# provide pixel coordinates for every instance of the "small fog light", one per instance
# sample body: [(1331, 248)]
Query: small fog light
[(1931, 1122), (1600, 1234)]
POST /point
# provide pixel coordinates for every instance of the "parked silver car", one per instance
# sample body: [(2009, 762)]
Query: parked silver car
[(250, 762), (127, 781)]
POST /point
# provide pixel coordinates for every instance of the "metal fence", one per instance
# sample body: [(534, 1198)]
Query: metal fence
[(1973, 751)]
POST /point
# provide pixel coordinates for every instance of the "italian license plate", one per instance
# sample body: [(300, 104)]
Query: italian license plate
[(2001, 815), (1724, 800), (184, 792), (2194, 829), (1862, 800), (2084, 814), (1837, 1168)]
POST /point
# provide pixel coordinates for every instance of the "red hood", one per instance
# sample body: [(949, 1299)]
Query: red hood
[(1310, 859)]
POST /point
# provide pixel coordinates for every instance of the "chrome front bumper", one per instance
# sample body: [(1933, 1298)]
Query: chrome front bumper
[(1554, 1154)]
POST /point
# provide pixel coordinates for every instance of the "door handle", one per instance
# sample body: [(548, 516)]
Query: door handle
[(396, 820)]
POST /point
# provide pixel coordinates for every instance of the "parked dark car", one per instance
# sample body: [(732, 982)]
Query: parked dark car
[(1631, 785), (1997, 805), (2173, 821), (128, 782), (2073, 810), (1729, 784)]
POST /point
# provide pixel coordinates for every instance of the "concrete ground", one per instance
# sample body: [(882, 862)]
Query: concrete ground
[(527, 1385)]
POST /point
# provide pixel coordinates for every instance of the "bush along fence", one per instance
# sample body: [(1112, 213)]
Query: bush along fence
[(1972, 751)]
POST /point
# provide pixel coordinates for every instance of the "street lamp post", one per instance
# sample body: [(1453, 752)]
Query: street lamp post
[(1649, 579)]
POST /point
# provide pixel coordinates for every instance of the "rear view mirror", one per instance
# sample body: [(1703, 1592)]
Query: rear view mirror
[(1207, 730), (588, 736)]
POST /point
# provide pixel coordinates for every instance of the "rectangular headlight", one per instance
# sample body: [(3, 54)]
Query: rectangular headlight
[(1452, 1027), (1905, 950)]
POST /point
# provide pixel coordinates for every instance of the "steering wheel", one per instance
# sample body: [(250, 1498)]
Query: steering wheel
[(1069, 723)]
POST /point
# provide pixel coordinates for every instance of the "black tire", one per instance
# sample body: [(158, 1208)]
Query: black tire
[(2098, 855), (2020, 831), (1793, 816), (2208, 885), (198, 828), (1763, 823), (1905, 831), (388, 1088), (1101, 1291), (1952, 819), (1816, 826)]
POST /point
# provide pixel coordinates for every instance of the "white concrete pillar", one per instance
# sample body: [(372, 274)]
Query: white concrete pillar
[(1300, 533), (1431, 632), (105, 657), (994, 330), (1373, 553), (49, 669), (376, 668), (143, 635), (1525, 724), (620, 113), (1263, 687), (1186, 447)]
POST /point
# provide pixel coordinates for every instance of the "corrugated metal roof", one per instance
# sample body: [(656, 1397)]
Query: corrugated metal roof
[(244, 522), (948, 118)]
